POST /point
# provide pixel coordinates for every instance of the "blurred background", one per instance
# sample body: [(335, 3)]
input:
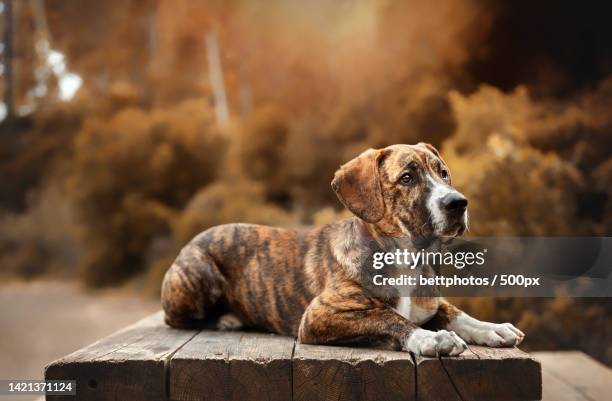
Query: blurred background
[(128, 126)]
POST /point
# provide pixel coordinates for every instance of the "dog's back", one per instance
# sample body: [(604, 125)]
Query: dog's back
[(264, 275)]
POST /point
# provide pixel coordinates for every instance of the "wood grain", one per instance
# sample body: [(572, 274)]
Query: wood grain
[(232, 366), (322, 373), (481, 373), (128, 365)]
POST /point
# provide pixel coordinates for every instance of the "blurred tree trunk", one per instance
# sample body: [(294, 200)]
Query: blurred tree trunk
[(7, 40), (42, 47), (215, 72)]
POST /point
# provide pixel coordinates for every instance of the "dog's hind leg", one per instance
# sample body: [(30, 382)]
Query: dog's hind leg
[(191, 287), (228, 322)]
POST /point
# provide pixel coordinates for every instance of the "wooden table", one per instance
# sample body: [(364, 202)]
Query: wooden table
[(574, 376), (150, 361)]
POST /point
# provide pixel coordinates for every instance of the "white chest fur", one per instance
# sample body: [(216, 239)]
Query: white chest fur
[(412, 312)]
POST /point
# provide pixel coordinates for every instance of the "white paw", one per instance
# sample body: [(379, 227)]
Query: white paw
[(435, 343), (229, 321), (499, 335)]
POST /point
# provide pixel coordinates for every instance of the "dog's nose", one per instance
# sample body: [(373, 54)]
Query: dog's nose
[(454, 202)]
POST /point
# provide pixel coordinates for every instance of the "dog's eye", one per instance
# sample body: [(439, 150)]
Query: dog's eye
[(444, 174), (407, 179)]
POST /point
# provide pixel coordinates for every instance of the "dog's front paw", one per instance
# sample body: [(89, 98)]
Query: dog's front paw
[(499, 335), (435, 343)]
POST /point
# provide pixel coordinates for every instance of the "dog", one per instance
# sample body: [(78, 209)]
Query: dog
[(310, 284)]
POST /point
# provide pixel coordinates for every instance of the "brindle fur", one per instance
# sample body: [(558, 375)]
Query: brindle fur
[(308, 284)]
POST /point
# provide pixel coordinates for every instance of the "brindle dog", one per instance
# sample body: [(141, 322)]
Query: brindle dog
[(310, 284)]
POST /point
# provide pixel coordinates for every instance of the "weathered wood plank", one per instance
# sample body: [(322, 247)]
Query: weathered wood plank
[(480, 373), (322, 373), (555, 389), (232, 366), (128, 365), (587, 377), (150, 361), (434, 382)]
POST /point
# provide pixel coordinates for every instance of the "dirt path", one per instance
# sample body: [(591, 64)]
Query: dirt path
[(43, 321)]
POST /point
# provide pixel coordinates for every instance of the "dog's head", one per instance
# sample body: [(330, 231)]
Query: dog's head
[(403, 190)]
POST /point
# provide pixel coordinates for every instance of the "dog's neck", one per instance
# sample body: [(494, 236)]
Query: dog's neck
[(356, 241), (372, 232)]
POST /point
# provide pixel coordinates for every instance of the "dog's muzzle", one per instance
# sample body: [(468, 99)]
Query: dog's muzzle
[(454, 203), (448, 210), (454, 206)]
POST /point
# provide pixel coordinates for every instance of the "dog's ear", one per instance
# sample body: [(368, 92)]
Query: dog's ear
[(431, 148), (357, 185)]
